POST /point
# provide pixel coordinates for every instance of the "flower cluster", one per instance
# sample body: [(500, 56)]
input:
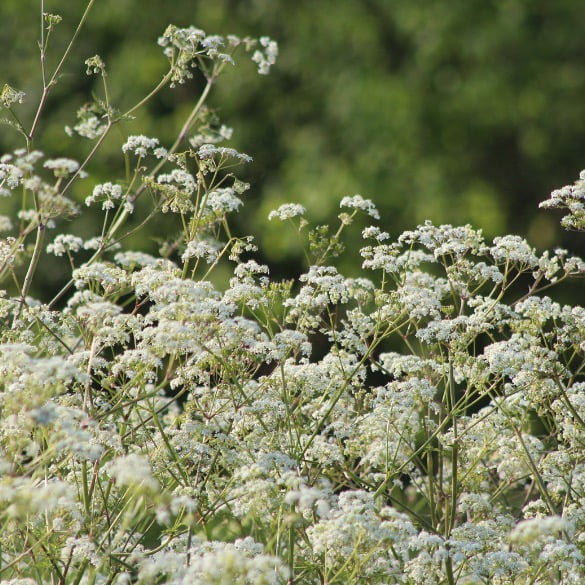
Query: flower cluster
[(571, 198), (92, 123), (10, 96), (265, 57), (187, 48), (142, 146), (287, 211)]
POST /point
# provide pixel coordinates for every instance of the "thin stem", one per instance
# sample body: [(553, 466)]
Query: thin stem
[(454, 456), (171, 151), (88, 157), (47, 85), (34, 260), (124, 215), (152, 93)]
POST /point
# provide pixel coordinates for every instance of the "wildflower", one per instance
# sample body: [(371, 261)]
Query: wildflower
[(11, 176), (5, 223), (95, 65), (287, 342), (572, 198), (206, 151), (105, 275), (358, 202), (375, 232), (266, 56), (52, 20), (222, 201), (80, 549), (250, 268), (208, 250), (141, 146), (133, 470), (181, 37), (306, 498), (92, 122), (129, 259), (513, 249), (64, 243), (242, 561), (108, 192), (287, 211), (62, 167), (10, 96), (527, 531)]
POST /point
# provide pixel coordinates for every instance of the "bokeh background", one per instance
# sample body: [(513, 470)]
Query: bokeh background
[(458, 111)]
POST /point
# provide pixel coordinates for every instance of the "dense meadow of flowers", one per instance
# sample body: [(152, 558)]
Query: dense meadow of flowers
[(423, 423)]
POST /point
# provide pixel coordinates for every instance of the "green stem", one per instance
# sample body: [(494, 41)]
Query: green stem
[(152, 93), (51, 82), (88, 157), (124, 215), (34, 260), (454, 456)]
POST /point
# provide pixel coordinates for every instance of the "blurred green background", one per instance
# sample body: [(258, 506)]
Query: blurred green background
[(451, 110)]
